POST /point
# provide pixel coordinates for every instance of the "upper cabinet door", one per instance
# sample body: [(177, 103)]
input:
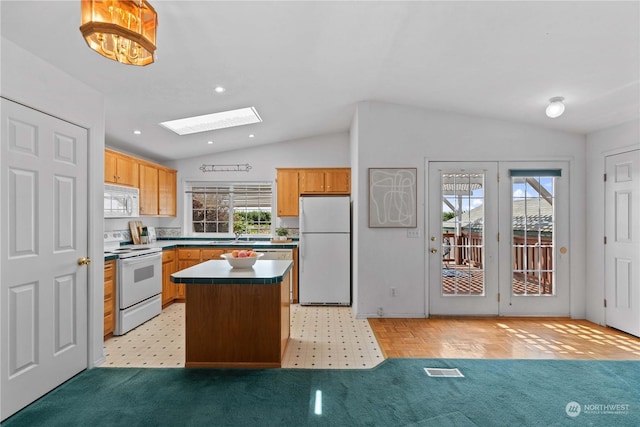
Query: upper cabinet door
[(110, 167), (120, 169), (338, 181), (148, 190), (311, 181), (166, 192), (287, 192)]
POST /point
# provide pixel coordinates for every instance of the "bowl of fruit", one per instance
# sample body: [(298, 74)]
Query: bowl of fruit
[(241, 258)]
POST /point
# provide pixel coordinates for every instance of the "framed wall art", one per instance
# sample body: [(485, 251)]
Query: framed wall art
[(392, 197)]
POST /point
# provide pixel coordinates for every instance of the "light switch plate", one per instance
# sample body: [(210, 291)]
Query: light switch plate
[(413, 233)]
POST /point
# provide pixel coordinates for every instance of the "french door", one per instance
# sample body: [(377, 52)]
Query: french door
[(498, 238), (534, 233), (462, 239)]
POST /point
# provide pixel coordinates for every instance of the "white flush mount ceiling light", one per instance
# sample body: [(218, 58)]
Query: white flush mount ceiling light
[(219, 89), (222, 120), (555, 107)]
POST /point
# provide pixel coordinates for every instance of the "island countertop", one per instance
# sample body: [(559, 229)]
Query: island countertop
[(220, 272)]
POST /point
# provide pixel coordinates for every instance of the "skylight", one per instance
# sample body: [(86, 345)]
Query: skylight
[(207, 122)]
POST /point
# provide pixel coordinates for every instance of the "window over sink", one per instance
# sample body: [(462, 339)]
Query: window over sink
[(225, 209)]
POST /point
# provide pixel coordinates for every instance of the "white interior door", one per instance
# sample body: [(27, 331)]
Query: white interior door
[(462, 239), (43, 289), (534, 239), (622, 249)]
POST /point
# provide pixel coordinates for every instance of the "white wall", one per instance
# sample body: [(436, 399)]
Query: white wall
[(355, 209), (321, 151), (615, 140), (391, 135), (29, 80)]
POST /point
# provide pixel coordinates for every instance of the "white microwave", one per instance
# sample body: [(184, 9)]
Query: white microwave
[(121, 202)]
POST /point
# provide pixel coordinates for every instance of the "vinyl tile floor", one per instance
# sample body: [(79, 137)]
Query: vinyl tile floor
[(321, 338)]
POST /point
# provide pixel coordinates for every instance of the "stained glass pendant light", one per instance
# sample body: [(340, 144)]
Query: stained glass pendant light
[(124, 31)]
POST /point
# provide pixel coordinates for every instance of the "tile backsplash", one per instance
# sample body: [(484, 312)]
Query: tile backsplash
[(176, 232)]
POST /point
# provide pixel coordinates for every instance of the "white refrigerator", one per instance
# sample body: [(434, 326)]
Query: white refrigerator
[(325, 250)]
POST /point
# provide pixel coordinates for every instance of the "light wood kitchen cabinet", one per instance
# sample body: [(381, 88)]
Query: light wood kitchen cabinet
[(338, 181), (323, 181), (157, 190), (169, 266), (311, 181), (207, 254), (167, 180), (157, 183), (148, 178), (287, 192), (120, 169), (109, 297), (293, 183)]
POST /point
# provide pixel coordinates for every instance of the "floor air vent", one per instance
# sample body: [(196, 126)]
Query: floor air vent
[(443, 372)]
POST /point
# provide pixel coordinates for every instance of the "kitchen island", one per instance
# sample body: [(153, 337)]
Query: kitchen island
[(236, 318)]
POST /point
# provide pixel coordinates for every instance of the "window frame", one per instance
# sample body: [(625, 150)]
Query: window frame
[(188, 207)]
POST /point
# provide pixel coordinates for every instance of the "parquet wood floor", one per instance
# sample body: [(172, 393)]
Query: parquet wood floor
[(503, 338)]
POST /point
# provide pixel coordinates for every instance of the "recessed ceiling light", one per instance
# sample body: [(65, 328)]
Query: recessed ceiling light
[(219, 89), (251, 135), (224, 119), (137, 132), (209, 142)]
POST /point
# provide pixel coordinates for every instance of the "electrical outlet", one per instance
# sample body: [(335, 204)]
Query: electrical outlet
[(413, 233), (393, 292), (380, 312)]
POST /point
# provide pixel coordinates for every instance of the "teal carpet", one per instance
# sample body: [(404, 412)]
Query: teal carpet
[(396, 393)]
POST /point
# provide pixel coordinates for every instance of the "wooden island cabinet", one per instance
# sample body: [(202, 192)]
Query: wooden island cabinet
[(236, 318), (178, 259), (188, 257)]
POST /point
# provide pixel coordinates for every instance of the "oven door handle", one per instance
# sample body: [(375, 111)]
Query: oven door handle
[(141, 258)]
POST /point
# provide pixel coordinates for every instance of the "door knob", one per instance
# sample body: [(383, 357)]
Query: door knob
[(434, 251), (84, 261)]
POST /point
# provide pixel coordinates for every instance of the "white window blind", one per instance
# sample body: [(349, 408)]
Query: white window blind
[(230, 207)]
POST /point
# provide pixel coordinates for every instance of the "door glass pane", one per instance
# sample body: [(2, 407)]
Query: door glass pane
[(462, 234), (533, 225)]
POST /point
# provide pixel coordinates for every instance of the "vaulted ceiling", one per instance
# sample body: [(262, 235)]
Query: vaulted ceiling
[(306, 65)]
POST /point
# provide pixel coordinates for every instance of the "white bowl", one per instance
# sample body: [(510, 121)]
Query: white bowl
[(241, 262)]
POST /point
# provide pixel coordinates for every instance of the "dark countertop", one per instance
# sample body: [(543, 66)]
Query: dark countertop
[(185, 242), (220, 272)]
